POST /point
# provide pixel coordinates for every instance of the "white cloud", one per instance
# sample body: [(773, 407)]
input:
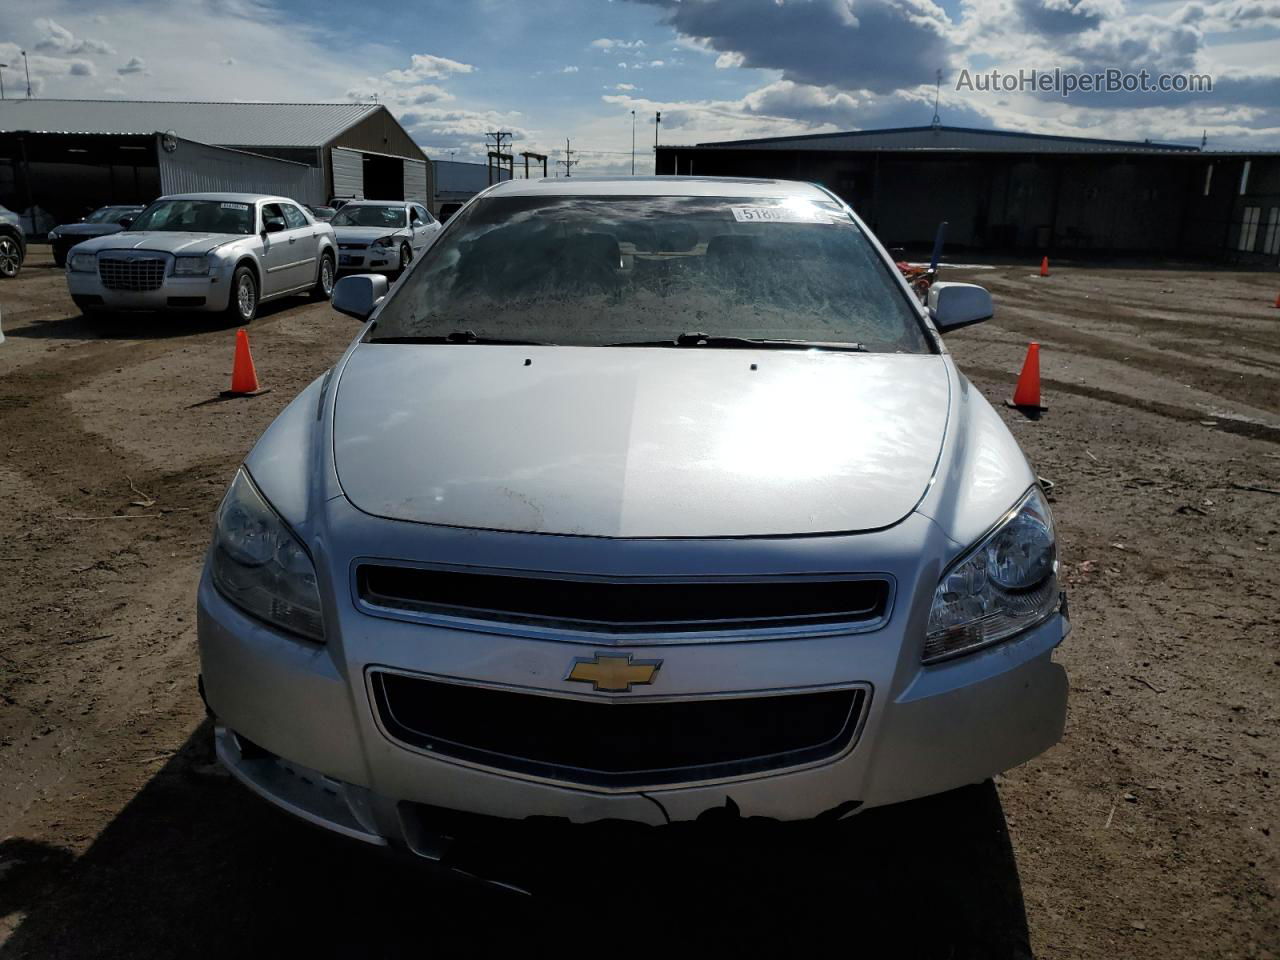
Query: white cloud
[(657, 63), (425, 66), (135, 65), (58, 39), (624, 86), (570, 69), (728, 60), (607, 43), (82, 68)]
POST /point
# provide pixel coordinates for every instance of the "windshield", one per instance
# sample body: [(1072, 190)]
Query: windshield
[(196, 216), (602, 270), (108, 214), (369, 216)]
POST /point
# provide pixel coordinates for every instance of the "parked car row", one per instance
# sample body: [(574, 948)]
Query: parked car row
[(100, 223)]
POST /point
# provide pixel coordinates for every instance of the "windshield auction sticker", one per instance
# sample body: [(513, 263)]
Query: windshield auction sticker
[(234, 206), (780, 214)]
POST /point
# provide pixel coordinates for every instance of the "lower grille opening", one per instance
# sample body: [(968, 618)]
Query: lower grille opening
[(186, 301), (625, 606), (616, 742)]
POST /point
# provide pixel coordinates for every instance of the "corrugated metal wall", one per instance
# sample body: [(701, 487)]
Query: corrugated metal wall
[(415, 181), (200, 168), (348, 172)]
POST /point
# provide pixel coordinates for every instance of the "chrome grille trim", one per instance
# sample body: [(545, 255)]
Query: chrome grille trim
[(589, 633), (132, 274)]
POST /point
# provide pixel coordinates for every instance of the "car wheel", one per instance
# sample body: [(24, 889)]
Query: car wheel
[(10, 257), (243, 305), (406, 257), (323, 290)]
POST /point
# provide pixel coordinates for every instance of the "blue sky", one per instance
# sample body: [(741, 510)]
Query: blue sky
[(550, 69)]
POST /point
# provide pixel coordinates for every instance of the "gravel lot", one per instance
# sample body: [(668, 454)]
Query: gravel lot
[(1149, 832)]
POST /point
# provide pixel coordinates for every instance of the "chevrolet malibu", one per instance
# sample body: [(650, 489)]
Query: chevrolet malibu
[(382, 236), (215, 252), (633, 500)]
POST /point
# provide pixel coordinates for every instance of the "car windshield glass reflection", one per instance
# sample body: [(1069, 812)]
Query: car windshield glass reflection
[(366, 216), (614, 270), (197, 216)]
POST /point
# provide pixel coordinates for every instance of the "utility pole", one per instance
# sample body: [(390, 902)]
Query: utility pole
[(568, 162), (496, 153), (937, 93), (657, 124), (633, 143), (28, 68), (2, 66)]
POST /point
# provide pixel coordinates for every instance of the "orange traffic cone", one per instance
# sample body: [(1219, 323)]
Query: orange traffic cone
[(1026, 395), (1044, 266), (1278, 301), (244, 378)]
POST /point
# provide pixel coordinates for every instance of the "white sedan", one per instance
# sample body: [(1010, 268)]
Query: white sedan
[(382, 236)]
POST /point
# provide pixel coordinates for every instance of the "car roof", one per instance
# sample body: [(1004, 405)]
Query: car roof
[(657, 186), (230, 197), (378, 203)]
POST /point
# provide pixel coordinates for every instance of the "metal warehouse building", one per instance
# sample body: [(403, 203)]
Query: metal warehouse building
[(1023, 192), (61, 157)]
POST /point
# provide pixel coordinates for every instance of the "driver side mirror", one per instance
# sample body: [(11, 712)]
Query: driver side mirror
[(956, 305), (125, 222), (273, 225), (357, 296)]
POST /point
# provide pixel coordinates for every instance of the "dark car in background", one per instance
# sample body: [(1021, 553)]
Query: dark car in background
[(102, 222), (13, 245)]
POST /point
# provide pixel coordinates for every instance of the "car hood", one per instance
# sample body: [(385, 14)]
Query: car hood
[(162, 240), (366, 234), (87, 229), (638, 442)]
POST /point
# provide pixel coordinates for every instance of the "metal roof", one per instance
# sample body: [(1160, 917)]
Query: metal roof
[(951, 139), (224, 124)]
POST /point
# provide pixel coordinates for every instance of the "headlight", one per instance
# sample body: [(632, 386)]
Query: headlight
[(259, 565), (83, 262), (190, 266), (1006, 584), (52, 235), (383, 242)]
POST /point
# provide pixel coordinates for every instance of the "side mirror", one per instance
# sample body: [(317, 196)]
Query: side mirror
[(273, 225), (358, 295), (125, 222), (956, 305)]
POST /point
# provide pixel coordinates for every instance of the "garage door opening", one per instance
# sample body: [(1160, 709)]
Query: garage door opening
[(383, 177)]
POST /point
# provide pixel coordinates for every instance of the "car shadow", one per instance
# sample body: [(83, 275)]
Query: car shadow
[(141, 326), (195, 866)]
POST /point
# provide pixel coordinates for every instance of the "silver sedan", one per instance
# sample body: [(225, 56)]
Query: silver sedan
[(213, 252), (634, 500)]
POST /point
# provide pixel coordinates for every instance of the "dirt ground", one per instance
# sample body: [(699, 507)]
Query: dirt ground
[(1149, 832)]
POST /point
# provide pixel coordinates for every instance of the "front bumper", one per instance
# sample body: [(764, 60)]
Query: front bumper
[(208, 293), (318, 751), (369, 260)]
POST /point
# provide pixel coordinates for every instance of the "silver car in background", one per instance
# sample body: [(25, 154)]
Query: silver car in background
[(213, 252), (381, 235), (635, 500)]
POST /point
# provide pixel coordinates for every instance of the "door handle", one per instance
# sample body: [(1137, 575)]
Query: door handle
[(293, 239)]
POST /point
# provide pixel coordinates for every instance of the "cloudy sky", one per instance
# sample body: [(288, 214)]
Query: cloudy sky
[(717, 69)]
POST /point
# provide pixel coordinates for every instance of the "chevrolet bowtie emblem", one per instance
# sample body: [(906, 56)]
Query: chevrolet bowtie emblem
[(615, 674)]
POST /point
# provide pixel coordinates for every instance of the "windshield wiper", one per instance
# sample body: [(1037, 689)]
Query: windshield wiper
[(463, 336), (744, 343)]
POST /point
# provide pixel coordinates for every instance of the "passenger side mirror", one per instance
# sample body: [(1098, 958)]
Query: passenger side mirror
[(357, 296), (956, 305), (125, 222), (273, 225)]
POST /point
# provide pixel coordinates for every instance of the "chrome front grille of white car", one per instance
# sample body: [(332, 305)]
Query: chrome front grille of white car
[(131, 273)]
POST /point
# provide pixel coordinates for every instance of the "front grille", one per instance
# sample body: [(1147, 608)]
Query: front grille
[(132, 274), (625, 606), (617, 742), (353, 246)]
